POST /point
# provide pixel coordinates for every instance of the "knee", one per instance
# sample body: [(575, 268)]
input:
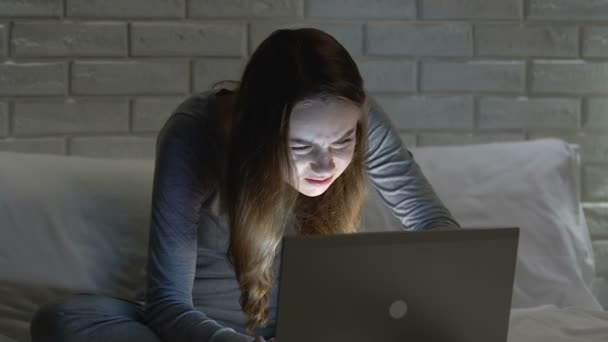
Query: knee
[(66, 320)]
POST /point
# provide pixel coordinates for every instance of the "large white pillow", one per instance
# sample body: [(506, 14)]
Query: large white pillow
[(532, 185), (69, 225)]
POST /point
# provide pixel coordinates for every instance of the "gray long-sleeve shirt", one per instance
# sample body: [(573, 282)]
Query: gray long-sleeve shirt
[(192, 293)]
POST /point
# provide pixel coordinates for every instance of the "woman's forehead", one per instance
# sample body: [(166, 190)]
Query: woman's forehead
[(324, 119)]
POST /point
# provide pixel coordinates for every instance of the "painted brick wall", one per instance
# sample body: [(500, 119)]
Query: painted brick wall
[(99, 77)]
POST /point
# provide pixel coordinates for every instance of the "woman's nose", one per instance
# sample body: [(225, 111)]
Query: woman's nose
[(323, 164)]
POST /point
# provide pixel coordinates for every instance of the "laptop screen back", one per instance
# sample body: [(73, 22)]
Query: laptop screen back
[(438, 285)]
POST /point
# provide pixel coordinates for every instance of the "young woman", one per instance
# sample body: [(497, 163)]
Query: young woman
[(288, 151)]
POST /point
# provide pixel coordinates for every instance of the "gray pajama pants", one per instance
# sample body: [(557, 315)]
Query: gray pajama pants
[(91, 318)]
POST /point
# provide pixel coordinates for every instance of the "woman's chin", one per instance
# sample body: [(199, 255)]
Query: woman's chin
[(313, 191)]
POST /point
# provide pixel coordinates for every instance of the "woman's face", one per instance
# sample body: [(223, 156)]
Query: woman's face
[(322, 137)]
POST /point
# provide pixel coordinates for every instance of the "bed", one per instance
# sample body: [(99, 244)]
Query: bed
[(75, 224)]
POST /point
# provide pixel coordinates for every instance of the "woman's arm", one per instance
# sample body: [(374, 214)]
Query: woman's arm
[(398, 178), (182, 185)]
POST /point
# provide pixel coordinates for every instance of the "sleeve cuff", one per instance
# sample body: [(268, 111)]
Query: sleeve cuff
[(227, 334)]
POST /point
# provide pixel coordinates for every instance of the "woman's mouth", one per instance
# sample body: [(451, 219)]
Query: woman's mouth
[(319, 182)]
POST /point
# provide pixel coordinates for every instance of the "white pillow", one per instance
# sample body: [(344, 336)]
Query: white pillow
[(531, 185), (69, 225), (75, 224)]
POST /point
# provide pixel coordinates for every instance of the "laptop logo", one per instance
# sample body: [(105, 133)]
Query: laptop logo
[(398, 309)]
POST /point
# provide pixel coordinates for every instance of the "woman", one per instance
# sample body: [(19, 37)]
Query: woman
[(287, 152)]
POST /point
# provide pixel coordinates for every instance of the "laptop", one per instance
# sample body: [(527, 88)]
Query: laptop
[(440, 285)]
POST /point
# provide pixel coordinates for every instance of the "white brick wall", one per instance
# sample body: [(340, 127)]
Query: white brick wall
[(419, 39), (100, 77), (597, 219), (131, 77), (470, 9), (51, 117), (569, 77), (187, 39), (429, 112), (144, 9), (526, 40), (349, 34), (496, 76), (50, 38), (31, 8), (596, 182), (528, 113), (3, 40), (596, 117), (244, 9), (595, 41), (33, 78), (3, 119), (567, 9), (365, 9)]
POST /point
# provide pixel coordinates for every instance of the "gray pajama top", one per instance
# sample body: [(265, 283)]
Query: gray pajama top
[(192, 293)]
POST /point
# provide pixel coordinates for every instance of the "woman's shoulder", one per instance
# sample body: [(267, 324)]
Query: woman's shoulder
[(188, 145), (190, 134)]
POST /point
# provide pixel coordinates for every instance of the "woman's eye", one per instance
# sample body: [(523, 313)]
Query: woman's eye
[(345, 142), (300, 148)]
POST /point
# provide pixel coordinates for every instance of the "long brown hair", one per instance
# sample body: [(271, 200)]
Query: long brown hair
[(289, 66)]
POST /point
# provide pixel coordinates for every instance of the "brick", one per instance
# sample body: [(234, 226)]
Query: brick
[(39, 117), (471, 9), (429, 112), (569, 77), (568, 9), (442, 139), (600, 251), (3, 119), (30, 8), (526, 40), (523, 112), (594, 148), (597, 220), (151, 113), (408, 139), (3, 40), (130, 77), (186, 39), (39, 39), (419, 39), (209, 71), (245, 8), (481, 76), (595, 182), (126, 8), (387, 9), (54, 145), (349, 35), (125, 147), (595, 41), (597, 114), (599, 288), (387, 75), (32, 78)]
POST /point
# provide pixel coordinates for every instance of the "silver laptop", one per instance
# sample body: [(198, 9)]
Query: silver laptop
[(440, 285)]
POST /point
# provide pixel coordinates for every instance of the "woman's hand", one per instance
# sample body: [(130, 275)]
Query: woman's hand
[(261, 339)]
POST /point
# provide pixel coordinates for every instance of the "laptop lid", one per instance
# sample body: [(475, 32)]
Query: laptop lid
[(432, 286)]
